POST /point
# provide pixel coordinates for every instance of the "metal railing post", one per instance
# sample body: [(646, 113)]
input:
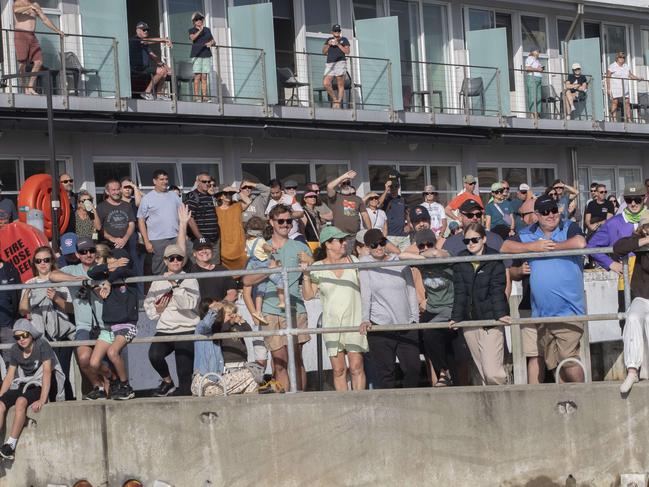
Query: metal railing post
[(352, 90), (118, 90), (264, 86), (309, 79), (219, 80), (63, 82), (390, 94), (292, 366), (500, 101), (175, 96), (465, 85), (318, 342)]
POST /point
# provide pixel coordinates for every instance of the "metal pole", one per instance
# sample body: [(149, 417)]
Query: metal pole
[(500, 101), (352, 90), (118, 95), (264, 87), (292, 366), (219, 81), (54, 168), (318, 342), (390, 94), (64, 74)]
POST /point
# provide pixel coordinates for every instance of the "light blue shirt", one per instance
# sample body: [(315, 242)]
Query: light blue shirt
[(557, 284), (83, 317), (160, 210), (207, 354), (288, 256)]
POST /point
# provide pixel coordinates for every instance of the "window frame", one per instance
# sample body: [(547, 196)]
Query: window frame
[(616, 171), (529, 167), (542, 54), (312, 163), (20, 173)]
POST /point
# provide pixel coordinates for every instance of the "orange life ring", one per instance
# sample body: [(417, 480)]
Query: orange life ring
[(37, 193), (18, 242)]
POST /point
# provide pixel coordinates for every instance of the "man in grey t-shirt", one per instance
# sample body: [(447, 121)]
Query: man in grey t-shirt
[(115, 216)]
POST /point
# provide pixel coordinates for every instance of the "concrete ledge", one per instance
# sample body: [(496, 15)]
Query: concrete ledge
[(513, 435)]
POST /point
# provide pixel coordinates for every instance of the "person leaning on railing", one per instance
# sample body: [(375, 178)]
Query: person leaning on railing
[(145, 63), (533, 81), (618, 75), (201, 55), (636, 328), (336, 48), (340, 294)]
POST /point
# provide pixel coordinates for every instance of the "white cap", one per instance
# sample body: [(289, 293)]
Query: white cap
[(524, 187), (576, 66)]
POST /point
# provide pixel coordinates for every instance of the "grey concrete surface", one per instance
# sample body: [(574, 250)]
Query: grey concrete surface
[(495, 436)]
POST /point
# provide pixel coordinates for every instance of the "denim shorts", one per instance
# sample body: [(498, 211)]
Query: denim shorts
[(82, 334)]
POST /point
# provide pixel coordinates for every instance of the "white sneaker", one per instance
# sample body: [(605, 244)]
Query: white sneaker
[(148, 96), (631, 378), (164, 98)]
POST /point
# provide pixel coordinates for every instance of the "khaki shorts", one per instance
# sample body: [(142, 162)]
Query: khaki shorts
[(560, 341), (275, 322), (530, 336)]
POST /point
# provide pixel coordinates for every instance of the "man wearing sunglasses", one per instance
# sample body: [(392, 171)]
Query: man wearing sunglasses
[(598, 211), (258, 202), (146, 64), (348, 209), (291, 253), (68, 186), (203, 222), (556, 284), (468, 193), (438, 220), (575, 89)]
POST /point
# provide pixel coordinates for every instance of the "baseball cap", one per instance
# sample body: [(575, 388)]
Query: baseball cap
[(335, 28), (202, 243), (469, 206), (576, 66), (425, 236), (142, 25), (544, 203), (373, 235), (85, 243), (469, 179), (68, 243), (524, 187), (419, 214), (173, 250), (453, 225), (634, 189), (496, 186), (290, 183), (430, 189), (360, 236), (197, 16), (330, 232)]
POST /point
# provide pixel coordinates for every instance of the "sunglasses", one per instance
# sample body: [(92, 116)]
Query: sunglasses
[(284, 221), (84, 200), (45, 260), (381, 243), (213, 185), (311, 196), (498, 191), (66, 181), (602, 192), (175, 258), (505, 188), (471, 184), (204, 181), (554, 211), (340, 240), (246, 187), (523, 215), (373, 198), (428, 193), (474, 240), (290, 187), (636, 200), (557, 188), (425, 245), (477, 214), (523, 191), (21, 336), (87, 251)]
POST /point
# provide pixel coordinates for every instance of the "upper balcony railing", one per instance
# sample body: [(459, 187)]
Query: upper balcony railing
[(627, 100), (82, 65)]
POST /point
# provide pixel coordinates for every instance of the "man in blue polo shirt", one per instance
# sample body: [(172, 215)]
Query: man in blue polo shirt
[(557, 284)]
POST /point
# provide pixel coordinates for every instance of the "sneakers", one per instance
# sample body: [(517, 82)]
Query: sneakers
[(164, 389), (7, 452), (95, 394), (147, 96), (123, 393), (631, 378), (270, 387), (164, 98), (114, 387)]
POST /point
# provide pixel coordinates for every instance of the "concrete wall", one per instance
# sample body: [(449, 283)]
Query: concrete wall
[(513, 435)]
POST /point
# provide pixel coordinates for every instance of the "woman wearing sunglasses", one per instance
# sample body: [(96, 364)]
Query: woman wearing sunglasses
[(340, 294), (85, 217), (174, 304), (479, 289), (388, 297), (49, 308), (29, 374)]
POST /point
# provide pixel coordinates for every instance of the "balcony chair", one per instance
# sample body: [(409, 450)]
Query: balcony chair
[(581, 106), (184, 74), (471, 88), (74, 70), (642, 107), (286, 79), (549, 96)]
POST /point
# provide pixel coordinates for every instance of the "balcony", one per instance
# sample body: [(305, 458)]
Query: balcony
[(241, 84)]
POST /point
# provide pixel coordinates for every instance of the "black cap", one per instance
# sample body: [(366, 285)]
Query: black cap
[(419, 214), (142, 25), (544, 203), (336, 28), (425, 236), (85, 243), (202, 243), (373, 235), (470, 205)]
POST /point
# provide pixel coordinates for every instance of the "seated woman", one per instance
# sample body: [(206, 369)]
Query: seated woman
[(636, 329), (28, 379)]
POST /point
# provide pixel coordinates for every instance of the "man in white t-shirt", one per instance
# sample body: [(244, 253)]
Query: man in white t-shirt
[(618, 76), (533, 80), (438, 220), (277, 196)]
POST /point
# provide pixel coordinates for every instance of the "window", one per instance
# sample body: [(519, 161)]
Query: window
[(479, 19), (615, 179), (320, 15), (534, 33), (189, 172), (591, 30), (145, 172), (9, 176), (105, 171), (14, 172), (40, 167), (414, 178), (302, 172), (367, 9), (644, 39), (563, 27), (538, 178)]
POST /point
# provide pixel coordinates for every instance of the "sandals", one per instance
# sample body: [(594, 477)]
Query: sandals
[(270, 387), (444, 380)]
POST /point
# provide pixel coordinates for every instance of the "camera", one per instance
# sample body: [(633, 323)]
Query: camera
[(83, 294)]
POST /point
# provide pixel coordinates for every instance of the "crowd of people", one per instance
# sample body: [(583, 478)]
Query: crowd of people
[(256, 226)]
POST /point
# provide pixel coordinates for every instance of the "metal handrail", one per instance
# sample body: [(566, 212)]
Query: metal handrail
[(55, 34)]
